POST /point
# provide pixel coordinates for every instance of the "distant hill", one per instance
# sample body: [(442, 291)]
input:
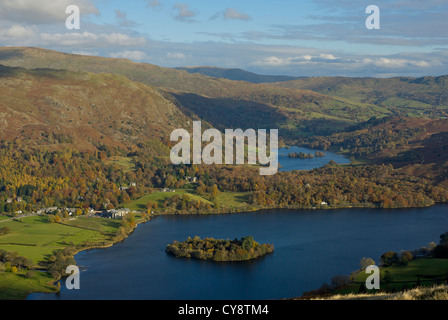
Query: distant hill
[(417, 146), (404, 95), (308, 106), (55, 108), (236, 74), (223, 103)]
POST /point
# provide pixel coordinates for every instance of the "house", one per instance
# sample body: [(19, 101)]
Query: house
[(71, 211), (323, 203), (115, 213), (191, 179), (47, 210)]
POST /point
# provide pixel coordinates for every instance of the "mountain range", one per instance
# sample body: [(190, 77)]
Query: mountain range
[(95, 100)]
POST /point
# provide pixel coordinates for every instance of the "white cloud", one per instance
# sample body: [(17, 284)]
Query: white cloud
[(41, 11), (121, 39), (327, 56), (155, 4), (175, 55), (275, 61), (184, 13), (70, 39), (91, 39), (130, 55), (395, 62), (234, 14), (18, 32), (86, 53)]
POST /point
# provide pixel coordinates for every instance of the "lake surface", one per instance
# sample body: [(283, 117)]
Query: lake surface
[(311, 246), (288, 164)]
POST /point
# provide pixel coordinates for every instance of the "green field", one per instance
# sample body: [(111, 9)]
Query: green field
[(124, 162), (16, 286), (233, 200), (35, 238), (405, 277), (160, 197)]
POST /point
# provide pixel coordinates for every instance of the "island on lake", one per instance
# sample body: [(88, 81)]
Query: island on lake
[(303, 155), (219, 250)]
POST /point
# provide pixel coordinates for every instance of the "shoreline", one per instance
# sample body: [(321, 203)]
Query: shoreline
[(93, 247)]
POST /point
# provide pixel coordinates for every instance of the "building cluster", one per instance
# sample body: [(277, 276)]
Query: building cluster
[(111, 213)]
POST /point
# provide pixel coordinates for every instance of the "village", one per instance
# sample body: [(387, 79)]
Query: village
[(74, 212)]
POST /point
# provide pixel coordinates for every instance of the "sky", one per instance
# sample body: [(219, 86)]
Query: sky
[(281, 37)]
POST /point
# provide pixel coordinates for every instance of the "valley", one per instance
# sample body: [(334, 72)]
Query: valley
[(93, 134)]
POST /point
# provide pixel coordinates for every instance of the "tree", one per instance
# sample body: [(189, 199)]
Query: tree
[(339, 281), (389, 258), (248, 243), (214, 191), (406, 257), (441, 251), (365, 262), (444, 238), (4, 230)]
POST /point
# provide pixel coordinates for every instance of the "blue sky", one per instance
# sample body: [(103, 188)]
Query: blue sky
[(301, 38)]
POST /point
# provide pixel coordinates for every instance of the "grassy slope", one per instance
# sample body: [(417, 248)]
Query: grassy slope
[(405, 277), (212, 99), (160, 197), (409, 96), (86, 108), (231, 200), (18, 287), (35, 238), (437, 292)]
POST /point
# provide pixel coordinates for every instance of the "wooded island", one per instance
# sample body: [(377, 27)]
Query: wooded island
[(219, 250)]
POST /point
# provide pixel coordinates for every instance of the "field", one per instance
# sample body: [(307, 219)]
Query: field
[(231, 200), (16, 286), (35, 237), (160, 197), (428, 270), (123, 162)]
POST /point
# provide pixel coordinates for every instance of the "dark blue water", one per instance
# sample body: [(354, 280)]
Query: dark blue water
[(311, 247), (288, 164)]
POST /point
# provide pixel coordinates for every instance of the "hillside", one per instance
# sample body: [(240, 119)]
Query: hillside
[(416, 146), (222, 102), (82, 110), (402, 95), (439, 292), (236, 74)]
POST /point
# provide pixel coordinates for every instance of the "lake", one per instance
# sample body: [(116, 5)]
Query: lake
[(311, 246), (288, 164)]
